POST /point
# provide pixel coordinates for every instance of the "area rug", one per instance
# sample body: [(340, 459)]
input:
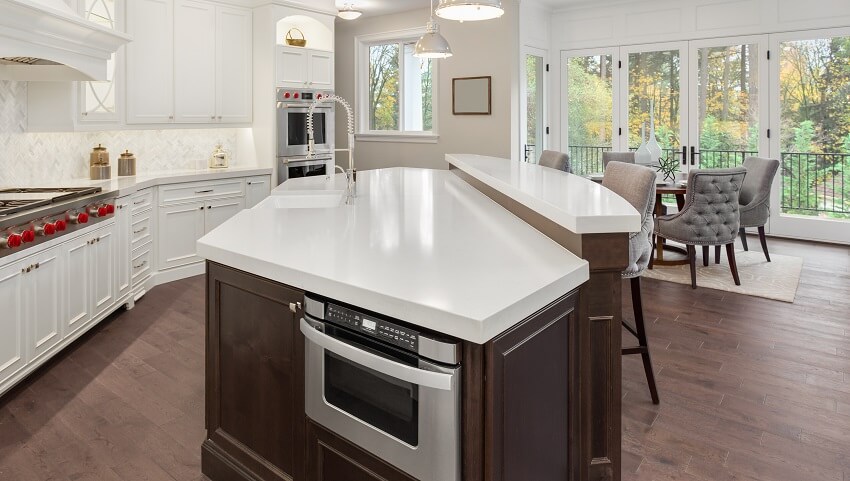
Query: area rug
[(772, 280)]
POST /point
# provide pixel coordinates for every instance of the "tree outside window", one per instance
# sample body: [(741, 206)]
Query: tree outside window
[(400, 97)]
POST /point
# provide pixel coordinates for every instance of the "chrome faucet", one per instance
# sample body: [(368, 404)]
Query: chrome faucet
[(351, 173)]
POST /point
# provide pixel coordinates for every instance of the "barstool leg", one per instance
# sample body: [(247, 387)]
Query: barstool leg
[(705, 256), (717, 254), (642, 342), (763, 240), (692, 259), (742, 233)]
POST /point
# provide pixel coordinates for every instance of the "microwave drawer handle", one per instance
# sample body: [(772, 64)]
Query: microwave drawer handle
[(429, 379)]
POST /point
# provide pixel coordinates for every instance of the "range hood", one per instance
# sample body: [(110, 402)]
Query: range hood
[(44, 40)]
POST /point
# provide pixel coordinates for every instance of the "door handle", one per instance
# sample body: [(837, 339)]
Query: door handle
[(693, 155), (397, 370), (684, 155)]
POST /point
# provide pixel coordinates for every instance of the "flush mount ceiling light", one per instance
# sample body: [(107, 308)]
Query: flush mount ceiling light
[(432, 44), (470, 10), (349, 13)]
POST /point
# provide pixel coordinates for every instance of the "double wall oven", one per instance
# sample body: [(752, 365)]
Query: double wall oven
[(292, 140), (387, 387)]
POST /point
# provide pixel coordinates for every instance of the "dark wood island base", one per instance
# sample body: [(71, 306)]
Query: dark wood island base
[(523, 395)]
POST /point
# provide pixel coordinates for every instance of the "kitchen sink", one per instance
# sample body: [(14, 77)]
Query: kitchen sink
[(302, 201)]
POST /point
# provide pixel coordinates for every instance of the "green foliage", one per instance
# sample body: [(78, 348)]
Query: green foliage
[(804, 137), (590, 100), (384, 87)]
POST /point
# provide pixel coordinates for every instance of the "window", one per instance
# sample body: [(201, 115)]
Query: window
[(396, 96)]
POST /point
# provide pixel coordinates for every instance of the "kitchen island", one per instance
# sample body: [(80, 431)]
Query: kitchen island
[(421, 250)]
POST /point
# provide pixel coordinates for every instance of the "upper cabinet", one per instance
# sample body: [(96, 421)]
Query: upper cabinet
[(299, 67), (190, 62)]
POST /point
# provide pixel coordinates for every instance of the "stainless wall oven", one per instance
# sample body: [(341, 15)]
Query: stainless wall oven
[(293, 167), (390, 389), (292, 107)]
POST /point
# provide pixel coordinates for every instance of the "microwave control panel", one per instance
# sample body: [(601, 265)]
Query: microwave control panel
[(386, 331)]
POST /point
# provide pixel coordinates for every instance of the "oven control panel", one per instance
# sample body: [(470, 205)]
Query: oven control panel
[(389, 332)]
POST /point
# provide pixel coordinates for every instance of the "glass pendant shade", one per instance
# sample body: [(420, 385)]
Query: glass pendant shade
[(432, 44), (349, 13), (470, 10)]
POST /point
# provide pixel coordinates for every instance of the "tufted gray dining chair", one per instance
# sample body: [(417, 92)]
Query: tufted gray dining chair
[(555, 160), (710, 216), (636, 184), (627, 157), (755, 198)]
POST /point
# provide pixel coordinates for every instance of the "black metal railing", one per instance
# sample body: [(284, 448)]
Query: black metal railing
[(812, 184)]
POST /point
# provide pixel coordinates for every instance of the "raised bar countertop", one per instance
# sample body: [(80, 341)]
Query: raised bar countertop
[(578, 204), (419, 245)]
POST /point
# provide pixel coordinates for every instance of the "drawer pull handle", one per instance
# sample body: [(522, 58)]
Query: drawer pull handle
[(203, 191), (140, 265), (258, 182), (140, 230), (139, 202)]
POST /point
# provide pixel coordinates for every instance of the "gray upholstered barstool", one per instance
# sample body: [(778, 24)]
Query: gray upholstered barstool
[(627, 157), (636, 184), (755, 198), (710, 216), (555, 160)]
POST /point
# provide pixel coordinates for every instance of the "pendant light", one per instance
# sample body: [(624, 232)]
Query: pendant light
[(470, 10), (349, 13), (432, 44)]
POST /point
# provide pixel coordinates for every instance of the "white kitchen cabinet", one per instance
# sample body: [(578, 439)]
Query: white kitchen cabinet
[(43, 301), (12, 354), (256, 189), (194, 62), (150, 61), (180, 227), (78, 278), (103, 270), (218, 211), (123, 221), (298, 67), (234, 61)]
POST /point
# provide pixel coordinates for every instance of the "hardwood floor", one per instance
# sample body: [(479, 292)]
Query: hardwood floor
[(751, 389)]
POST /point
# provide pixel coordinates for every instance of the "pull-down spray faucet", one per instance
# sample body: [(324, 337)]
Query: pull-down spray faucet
[(351, 173)]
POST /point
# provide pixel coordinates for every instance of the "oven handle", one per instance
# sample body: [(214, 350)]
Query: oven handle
[(429, 379)]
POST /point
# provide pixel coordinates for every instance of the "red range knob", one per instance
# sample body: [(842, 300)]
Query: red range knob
[(287, 95), (319, 96), (80, 218), (101, 211), (297, 95), (49, 229), (28, 235), (110, 208), (61, 225), (11, 241)]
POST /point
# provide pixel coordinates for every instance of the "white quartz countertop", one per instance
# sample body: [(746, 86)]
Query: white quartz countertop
[(127, 185), (418, 245), (578, 204)]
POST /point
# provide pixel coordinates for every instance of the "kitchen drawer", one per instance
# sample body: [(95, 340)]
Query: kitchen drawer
[(140, 263), (180, 193), (142, 200), (141, 229)]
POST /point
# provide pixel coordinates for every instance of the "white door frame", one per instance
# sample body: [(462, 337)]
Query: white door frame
[(789, 225), (543, 89)]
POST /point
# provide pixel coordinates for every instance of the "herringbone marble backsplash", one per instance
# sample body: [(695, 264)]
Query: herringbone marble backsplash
[(28, 158)]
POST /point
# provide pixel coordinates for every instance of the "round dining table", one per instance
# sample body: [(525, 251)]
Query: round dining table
[(679, 190)]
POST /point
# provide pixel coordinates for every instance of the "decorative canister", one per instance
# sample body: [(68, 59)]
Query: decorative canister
[(295, 42), (127, 164), (99, 168), (220, 158)]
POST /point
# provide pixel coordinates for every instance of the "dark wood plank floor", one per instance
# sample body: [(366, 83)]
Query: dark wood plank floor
[(751, 389)]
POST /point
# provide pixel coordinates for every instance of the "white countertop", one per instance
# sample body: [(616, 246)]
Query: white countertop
[(419, 245), (130, 184), (577, 203)]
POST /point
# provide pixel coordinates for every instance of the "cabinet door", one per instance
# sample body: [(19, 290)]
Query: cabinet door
[(78, 278), (103, 270), (234, 47), (46, 306), (218, 211), (12, 355), (321, 67), (291, 66), (257, 189), (194, 62), (179, 228), (150, 61), (255, 378), (122, 246)]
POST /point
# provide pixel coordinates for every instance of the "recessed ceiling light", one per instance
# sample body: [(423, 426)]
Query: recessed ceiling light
[(349, 13)]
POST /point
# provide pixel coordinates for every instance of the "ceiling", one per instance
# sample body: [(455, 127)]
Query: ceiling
[(384, 7)]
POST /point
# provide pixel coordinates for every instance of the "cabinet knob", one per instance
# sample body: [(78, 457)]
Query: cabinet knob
[(170, 117), (212, 118), (219, 117), (294, 306)]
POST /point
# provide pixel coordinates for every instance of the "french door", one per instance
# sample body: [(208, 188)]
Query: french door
[(533, 117)]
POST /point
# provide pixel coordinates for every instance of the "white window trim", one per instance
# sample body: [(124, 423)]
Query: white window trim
[(361, 94)]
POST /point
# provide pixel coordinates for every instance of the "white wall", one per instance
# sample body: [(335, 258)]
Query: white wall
[(480, 48)]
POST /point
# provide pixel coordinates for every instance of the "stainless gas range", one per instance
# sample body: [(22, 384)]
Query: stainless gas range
[(31, 216)]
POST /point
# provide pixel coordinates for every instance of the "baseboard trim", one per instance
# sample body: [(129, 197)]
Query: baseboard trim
[(217, 464), (177, 273)]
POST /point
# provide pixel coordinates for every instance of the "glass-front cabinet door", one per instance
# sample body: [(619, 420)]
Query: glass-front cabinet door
[(98, 100)]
